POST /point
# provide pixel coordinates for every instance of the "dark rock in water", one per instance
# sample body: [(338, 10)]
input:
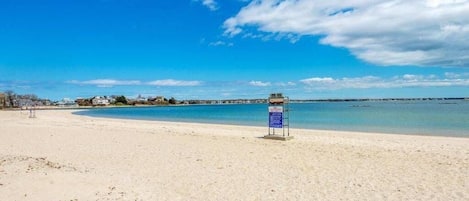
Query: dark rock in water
[(447, 103), (360, 106)]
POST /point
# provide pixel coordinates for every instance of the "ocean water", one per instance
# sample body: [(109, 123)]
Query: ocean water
[(440, 118)]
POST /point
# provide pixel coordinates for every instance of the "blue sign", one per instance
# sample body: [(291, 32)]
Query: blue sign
[(275, 119)]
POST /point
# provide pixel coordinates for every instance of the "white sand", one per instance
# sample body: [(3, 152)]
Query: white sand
[(60, 156)]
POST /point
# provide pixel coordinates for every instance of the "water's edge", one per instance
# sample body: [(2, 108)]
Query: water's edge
[(415, 118)]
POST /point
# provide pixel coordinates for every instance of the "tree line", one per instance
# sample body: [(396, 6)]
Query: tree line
[(122, 100), (10, 99), (14, 100)]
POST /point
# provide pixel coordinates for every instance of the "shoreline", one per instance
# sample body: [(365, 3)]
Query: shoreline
[(301, 131), (450, 133), (62, 156), (458, 128)]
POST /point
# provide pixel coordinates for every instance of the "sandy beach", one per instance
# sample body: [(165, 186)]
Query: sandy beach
[(61, 156)]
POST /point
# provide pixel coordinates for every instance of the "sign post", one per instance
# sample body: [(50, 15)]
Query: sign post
[(279, 117), (276, 116)]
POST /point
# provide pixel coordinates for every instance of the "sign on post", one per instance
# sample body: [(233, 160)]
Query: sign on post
[(275, 116), (279, 117)]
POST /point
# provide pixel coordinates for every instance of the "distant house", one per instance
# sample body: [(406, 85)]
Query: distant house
[(159, 99), (66, 102), (24, 102), (100, 101), (2, 100), (141, 99)]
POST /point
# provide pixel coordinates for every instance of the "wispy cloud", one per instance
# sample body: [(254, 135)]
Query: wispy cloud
[(113, 82), (221, 43), (106, 82), (210, 4), (285, 84), (259, 83), (456, 75), (412, 32), (12, 85), (171, 82), (407, 80)]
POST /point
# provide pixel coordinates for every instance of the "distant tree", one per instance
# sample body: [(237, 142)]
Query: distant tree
[(84, 102), (32, 97), (11, 96), (172, 100), (121, 99)]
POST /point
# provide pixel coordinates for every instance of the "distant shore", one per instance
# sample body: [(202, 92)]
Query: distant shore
[(60, 156), (237, 101)]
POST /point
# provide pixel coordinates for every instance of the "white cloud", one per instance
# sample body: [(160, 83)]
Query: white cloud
[(221, 43), (112, 82), (437, 3), (171, 82), (383, 32), (106, 82), (285, 84), (259, 83), (210, 4), (452, 75), (407, 80)]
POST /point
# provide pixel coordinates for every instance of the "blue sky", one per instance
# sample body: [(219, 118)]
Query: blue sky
[(213, 49)]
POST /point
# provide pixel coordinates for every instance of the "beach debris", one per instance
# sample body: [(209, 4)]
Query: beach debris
[(29, 164), (112, 193)]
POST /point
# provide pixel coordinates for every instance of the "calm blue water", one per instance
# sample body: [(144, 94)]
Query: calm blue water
[(442, 118)]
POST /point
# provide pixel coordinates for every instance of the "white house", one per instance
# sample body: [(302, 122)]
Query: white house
[(98, 100), (67, 102)]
